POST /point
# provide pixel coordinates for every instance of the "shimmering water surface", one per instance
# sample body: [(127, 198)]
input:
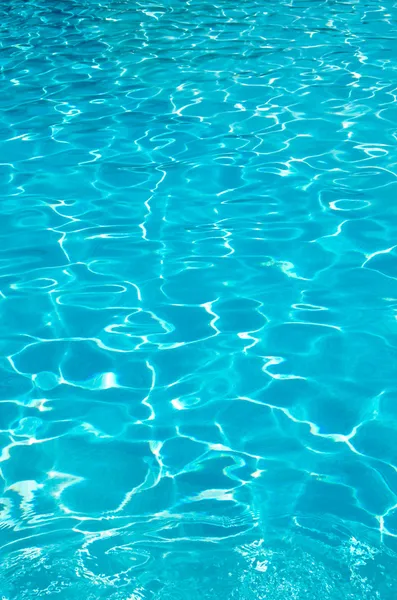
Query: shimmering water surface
[(198, 278)]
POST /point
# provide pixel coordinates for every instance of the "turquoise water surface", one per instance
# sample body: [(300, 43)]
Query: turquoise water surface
[(198, 293)]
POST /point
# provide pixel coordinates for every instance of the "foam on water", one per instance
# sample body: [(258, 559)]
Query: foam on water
[(198, 292)]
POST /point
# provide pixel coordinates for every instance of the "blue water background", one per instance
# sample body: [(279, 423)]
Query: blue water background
[(198, 292)]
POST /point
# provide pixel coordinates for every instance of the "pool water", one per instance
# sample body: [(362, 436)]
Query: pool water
[(198, 293)]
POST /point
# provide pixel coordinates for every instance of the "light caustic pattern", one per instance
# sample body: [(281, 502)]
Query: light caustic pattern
[(198, 281)]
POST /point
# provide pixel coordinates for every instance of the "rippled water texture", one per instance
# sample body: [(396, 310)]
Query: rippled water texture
[(198, 278)]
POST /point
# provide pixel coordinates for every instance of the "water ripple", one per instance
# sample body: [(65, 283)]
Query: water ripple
[(198, 286)]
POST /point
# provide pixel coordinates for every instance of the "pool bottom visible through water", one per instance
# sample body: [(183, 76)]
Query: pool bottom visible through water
[(198, 292)]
